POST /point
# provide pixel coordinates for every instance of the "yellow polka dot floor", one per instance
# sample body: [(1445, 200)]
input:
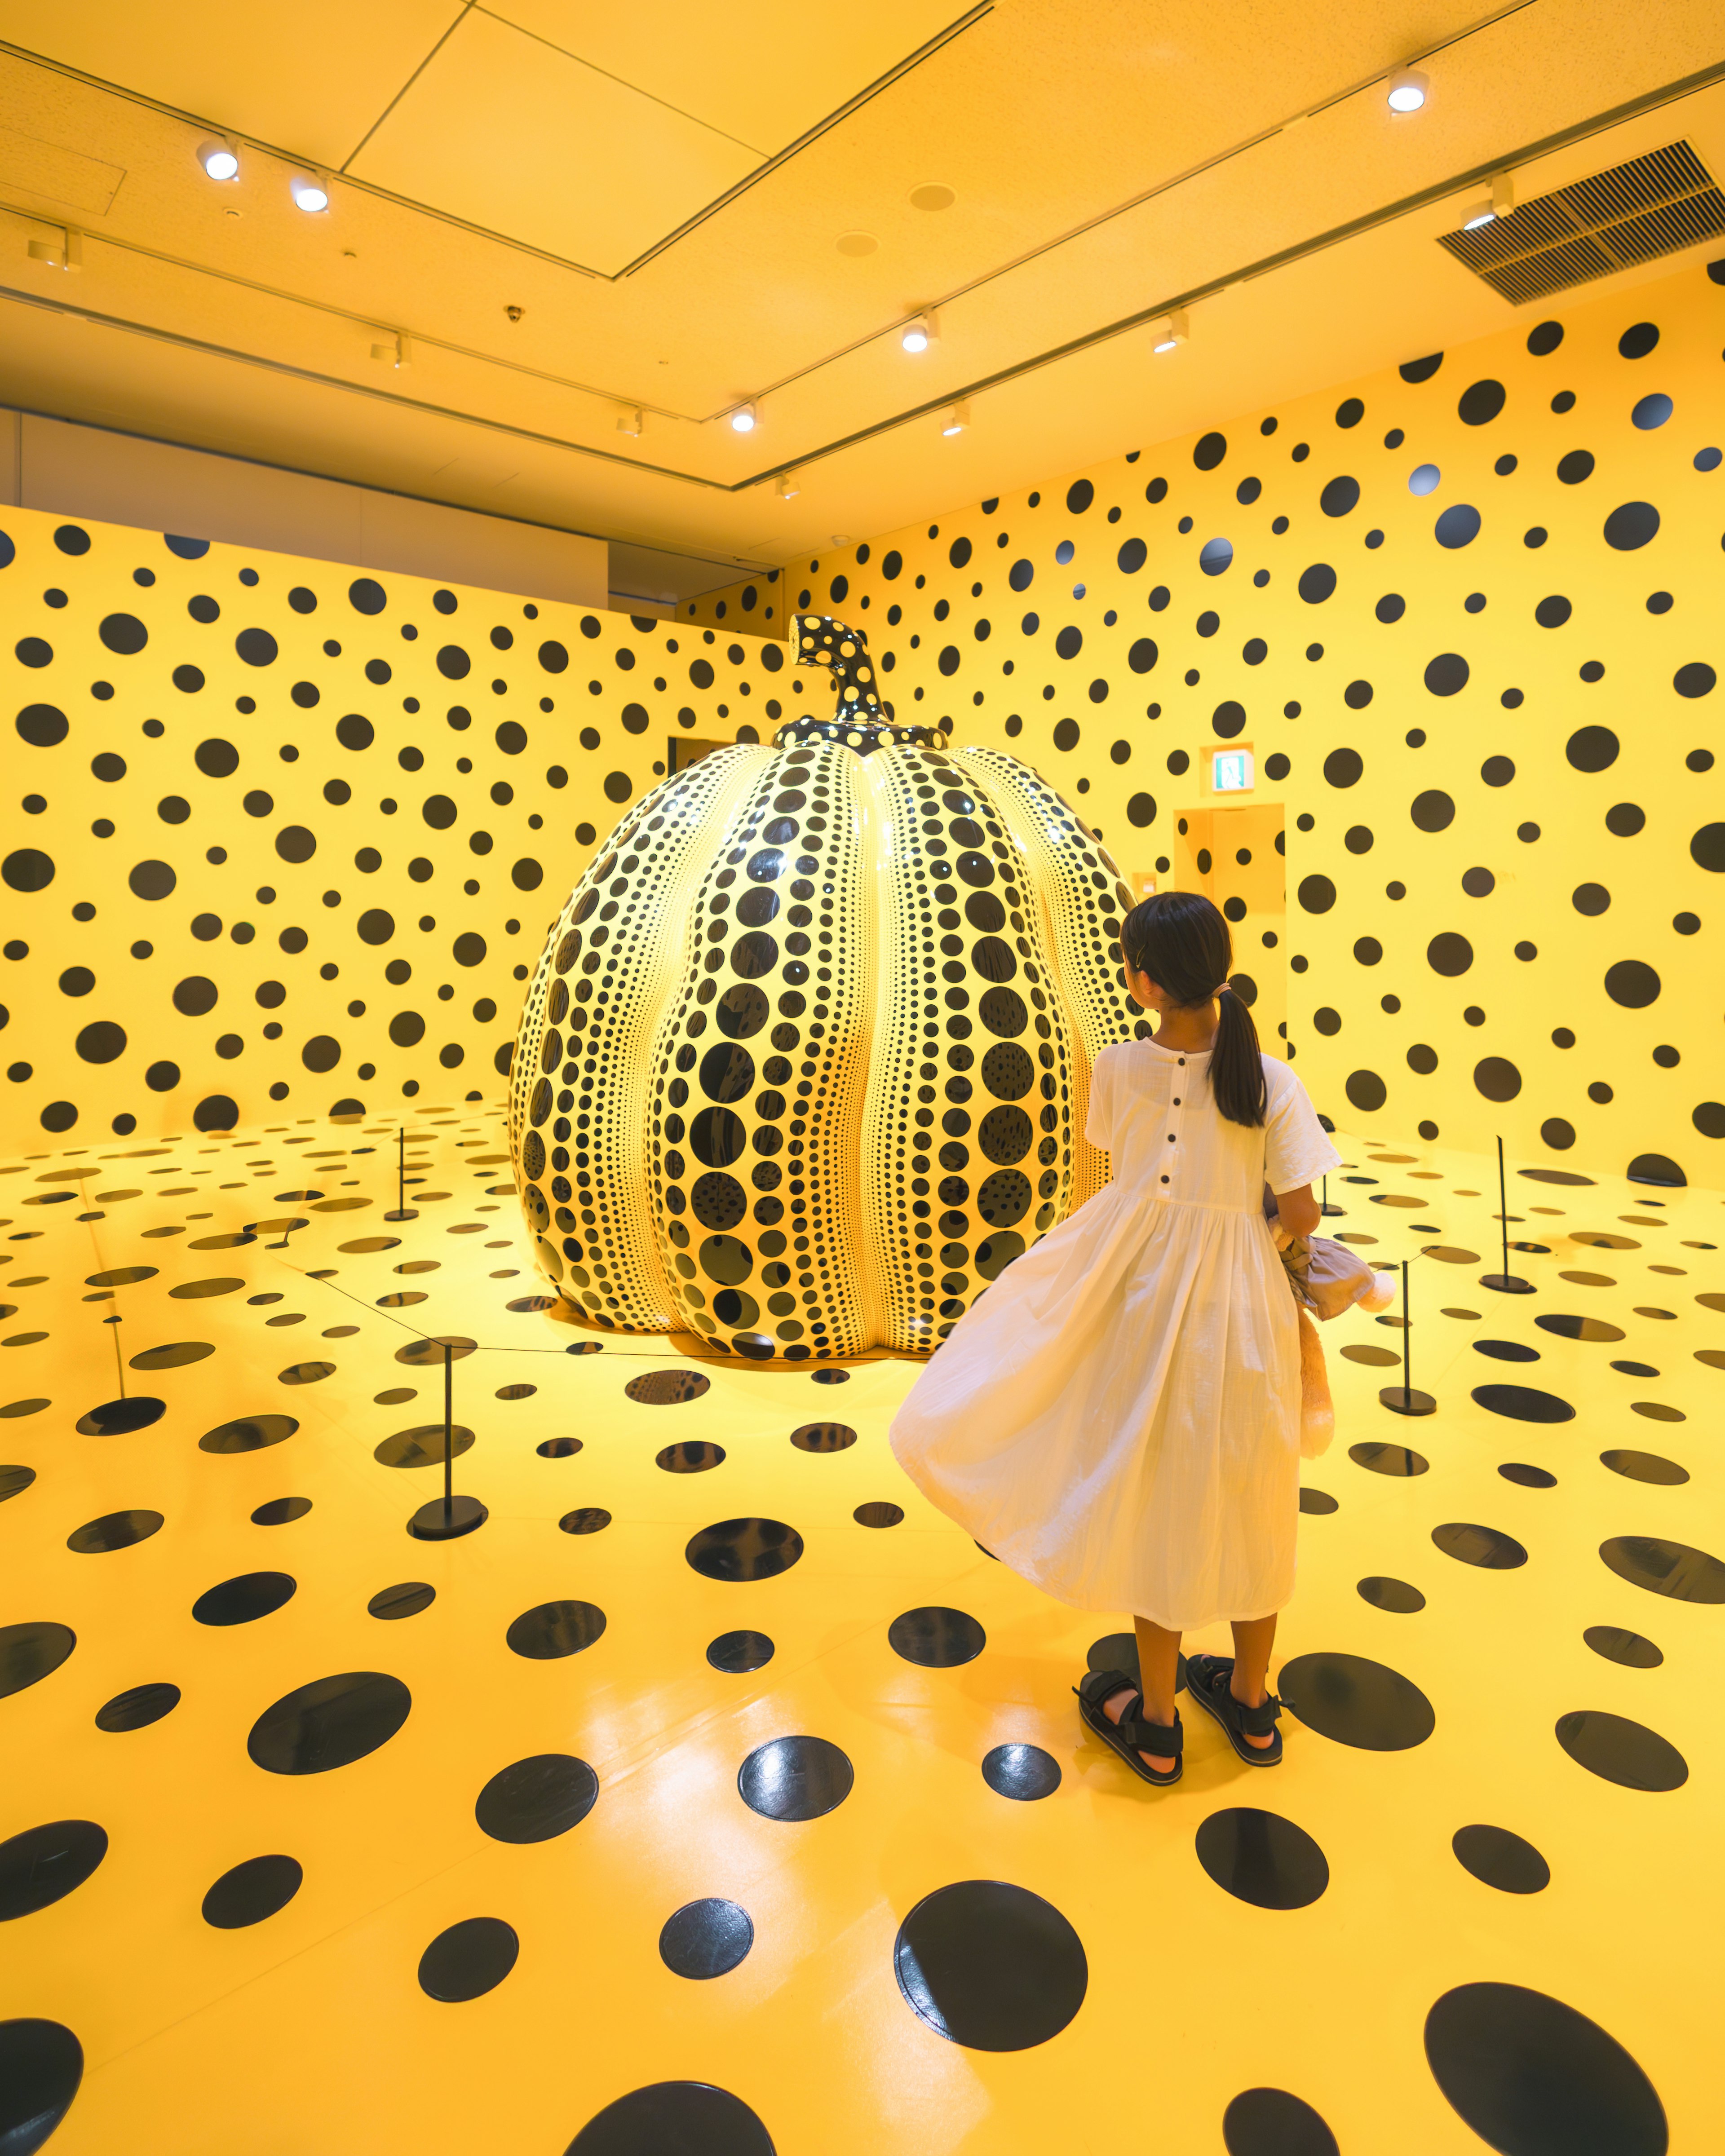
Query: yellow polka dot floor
[(714, 1794)]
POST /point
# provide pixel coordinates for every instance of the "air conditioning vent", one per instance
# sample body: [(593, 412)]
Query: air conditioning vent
[(1636, 212)]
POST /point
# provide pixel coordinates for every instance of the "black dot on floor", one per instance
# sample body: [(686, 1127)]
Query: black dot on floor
[(823, 1437), (795, 1778), (282, 1511), (666, 1388), (694, 1457), (878, 1512), (406, 1599), (41, 2064), (14, 1481), (1529, 1477), (705, 1939), (737, 1653), (42, 1865), (328, 1723), (1645, 1467), (30, 1651), (1523, 1403), (1628, 1648), (744, 1549), (1268, 2121), (1500, 1858), (1662, 1568), (1621, 1751), (585, 1520), (1395, 1595), (551, 1630), (1570, 1327), (1022, 1772), (558, 1448), (1470, 1543), (671, 2116), (1353, 1701), (1388, 1459), (468, 1960), (1317, 1501), (247, 1434), (537, 1799), (990, 1965), (117, 1418), (936, 1637), (1260, 1857), (423, 1445), (831, 1376), (1531, 2077), (1506, 1350), (251, 1891), (113, 1531), (138, 1708), (1635, 1369), (243, 1600)]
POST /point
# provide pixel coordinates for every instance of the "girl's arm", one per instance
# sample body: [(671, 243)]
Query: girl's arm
[(1298, 1211)]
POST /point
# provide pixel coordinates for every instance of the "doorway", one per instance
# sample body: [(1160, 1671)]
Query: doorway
[(1235, 857)]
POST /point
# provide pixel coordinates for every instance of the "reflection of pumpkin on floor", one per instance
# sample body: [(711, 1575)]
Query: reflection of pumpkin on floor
[(805, 1060)]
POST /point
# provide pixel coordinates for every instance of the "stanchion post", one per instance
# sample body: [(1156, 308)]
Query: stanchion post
[(1506, 1282), (1404, 1399)]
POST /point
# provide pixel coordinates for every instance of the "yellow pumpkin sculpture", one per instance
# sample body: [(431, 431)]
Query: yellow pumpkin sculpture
[(806, 1058)]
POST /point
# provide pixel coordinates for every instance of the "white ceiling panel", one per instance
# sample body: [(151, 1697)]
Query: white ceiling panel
[(766, 77), (507, 132), (310, 78)]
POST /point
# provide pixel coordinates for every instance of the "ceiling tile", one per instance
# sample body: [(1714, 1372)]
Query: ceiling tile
[(310, 79), (765, 83), (506, 132)]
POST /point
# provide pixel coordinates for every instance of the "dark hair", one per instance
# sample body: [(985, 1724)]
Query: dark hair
[(1181, 940)]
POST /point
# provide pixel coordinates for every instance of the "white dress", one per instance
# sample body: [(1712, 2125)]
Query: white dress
[(1118, 1417)]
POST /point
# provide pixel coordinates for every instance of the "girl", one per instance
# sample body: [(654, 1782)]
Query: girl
[(1118, 1418)]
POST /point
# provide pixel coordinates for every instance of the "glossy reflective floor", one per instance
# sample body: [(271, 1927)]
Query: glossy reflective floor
[(714, 1787)]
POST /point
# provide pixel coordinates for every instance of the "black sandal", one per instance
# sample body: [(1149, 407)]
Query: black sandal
[(1131, 1734), (1208, 1679)]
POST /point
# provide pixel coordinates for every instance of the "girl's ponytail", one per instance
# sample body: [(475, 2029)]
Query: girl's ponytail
[(1236, 1063), (1181, 940)]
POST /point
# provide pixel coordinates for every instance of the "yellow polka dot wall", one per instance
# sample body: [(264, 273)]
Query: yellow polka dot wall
[(282, 838), (1464, 617)]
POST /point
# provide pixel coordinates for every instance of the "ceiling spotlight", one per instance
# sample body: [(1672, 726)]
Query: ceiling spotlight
[(395, 352), (1503, 202), (789, 487), (220, 160), (743, 419), (310, 194), (956, 420), (918, 335), (630, 423), (1170, 332), (1408, 89)]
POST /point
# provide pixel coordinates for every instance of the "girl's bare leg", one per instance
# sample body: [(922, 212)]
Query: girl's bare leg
[(1252, 1644), (1158, 1669)]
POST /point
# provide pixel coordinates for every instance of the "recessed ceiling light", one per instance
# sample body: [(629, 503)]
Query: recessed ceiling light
[(220, 160), (1408, 90), (933, 194), (857, 243), (918, 335), (743, 419), (1170, 332), (789, 487), (956, 420), (309, 194), (841, 538)]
